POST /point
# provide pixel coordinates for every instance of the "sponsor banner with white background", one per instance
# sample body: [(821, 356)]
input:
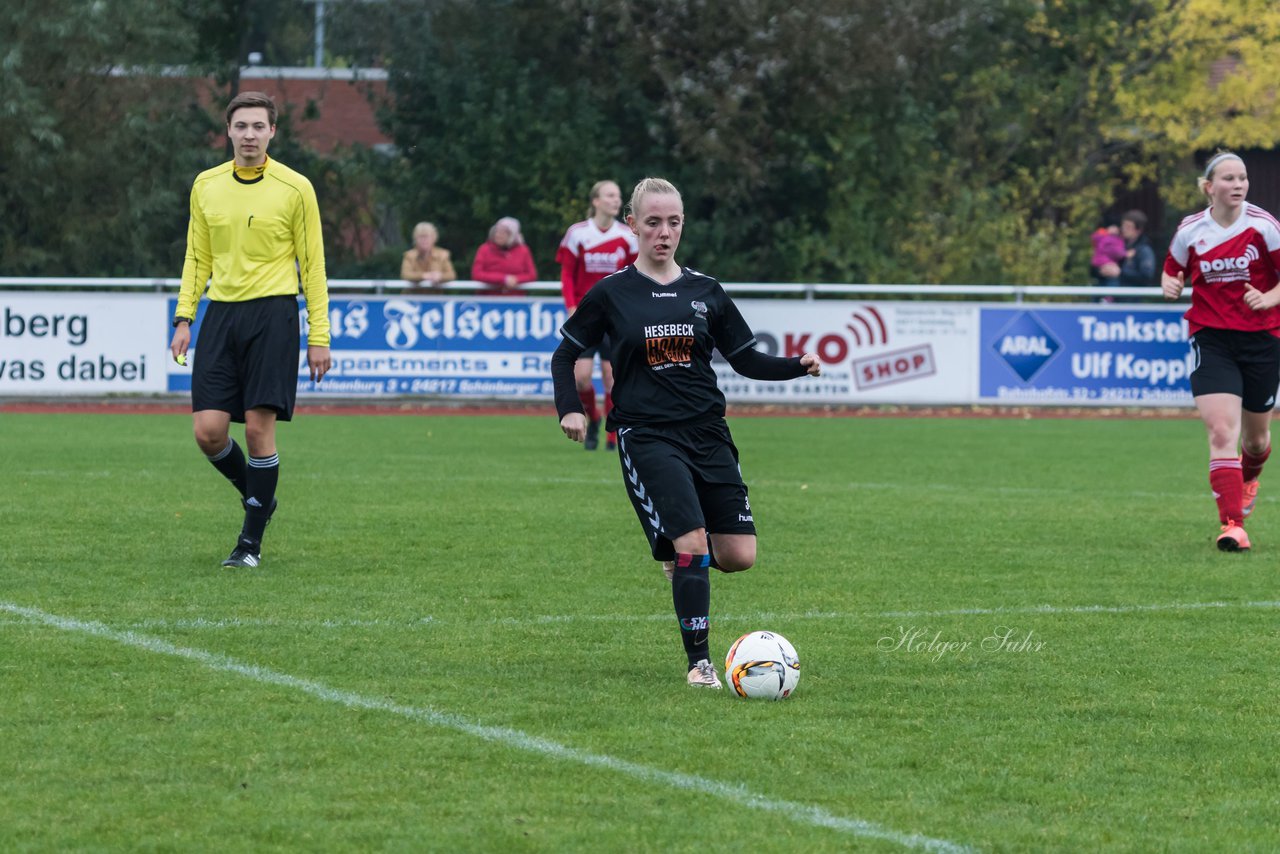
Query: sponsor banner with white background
[(82, 343), (871, 352)]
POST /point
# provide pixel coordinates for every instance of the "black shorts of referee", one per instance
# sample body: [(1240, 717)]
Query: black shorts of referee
[(681, 478), (247, 356), (1229, 361)]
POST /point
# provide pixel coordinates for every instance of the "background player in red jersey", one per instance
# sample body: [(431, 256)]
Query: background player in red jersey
[(592, 249), (679, 464), (1231, 251)]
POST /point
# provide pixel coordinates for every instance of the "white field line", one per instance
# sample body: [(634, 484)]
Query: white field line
[(738, 795), (744, 617)]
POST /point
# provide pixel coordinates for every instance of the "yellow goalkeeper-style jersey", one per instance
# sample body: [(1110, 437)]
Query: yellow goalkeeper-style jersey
[(255, 231)]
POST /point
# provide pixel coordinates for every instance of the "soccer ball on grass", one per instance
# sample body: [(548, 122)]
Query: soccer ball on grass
[(762, 666)]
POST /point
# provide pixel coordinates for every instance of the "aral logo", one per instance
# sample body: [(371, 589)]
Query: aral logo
[(1025, 345)]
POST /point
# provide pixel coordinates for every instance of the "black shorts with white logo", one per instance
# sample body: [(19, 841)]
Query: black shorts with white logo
[(604, 348), (1246, 364), (247, 357), (681, 479)]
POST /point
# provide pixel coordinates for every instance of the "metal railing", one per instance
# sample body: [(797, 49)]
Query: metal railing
[(807, 290)]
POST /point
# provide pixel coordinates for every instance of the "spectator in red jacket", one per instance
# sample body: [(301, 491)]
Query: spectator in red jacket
[(504, 261)]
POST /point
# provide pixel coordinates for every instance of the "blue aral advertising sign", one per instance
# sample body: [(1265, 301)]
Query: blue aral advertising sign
[(1106, 355), (403, 345), (1026, 345)]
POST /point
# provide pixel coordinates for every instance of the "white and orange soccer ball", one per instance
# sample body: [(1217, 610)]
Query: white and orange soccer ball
[(762, 666)]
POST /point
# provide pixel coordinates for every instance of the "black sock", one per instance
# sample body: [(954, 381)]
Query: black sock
[(230, 462), (264, 473), (691, 593)]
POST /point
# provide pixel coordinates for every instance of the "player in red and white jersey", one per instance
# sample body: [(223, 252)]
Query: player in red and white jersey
[(598, 246), (1231, 253)]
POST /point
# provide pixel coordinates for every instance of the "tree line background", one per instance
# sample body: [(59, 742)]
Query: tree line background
[(933, 141)]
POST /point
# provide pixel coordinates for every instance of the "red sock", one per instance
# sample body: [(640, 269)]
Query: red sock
[(1251, 464), (1228, 489), (608, 404), (588, 398)]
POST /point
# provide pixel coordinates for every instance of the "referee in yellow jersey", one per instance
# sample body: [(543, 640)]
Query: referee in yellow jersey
[(254, 234)]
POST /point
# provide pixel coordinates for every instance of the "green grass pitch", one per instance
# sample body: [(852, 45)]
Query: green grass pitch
[(1015, 635)]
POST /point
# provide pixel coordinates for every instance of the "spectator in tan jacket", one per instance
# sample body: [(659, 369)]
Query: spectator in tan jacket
[(426, 266)]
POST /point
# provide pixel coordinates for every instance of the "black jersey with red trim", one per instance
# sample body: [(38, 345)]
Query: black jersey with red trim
[(662, 337)]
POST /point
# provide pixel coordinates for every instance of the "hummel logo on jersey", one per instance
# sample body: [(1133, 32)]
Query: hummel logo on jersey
[(665, 294)]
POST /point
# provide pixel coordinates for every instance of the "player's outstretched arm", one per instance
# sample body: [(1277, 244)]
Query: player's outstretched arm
[(754, 365)]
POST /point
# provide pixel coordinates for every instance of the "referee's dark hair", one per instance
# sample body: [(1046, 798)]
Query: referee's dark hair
[(253, 99)]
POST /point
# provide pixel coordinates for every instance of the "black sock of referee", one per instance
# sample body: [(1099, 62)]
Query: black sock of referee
[(230, 462), (264, 473), (691, 593)]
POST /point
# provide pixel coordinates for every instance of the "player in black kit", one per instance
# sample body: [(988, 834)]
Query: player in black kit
[(679, 463)]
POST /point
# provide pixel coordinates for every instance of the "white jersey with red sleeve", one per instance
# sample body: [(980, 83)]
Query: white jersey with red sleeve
[(1218, 262), (587, 254)]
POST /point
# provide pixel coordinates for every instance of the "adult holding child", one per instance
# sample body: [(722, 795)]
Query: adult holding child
[(1230, 253), (1138, 270), (679, 462)]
